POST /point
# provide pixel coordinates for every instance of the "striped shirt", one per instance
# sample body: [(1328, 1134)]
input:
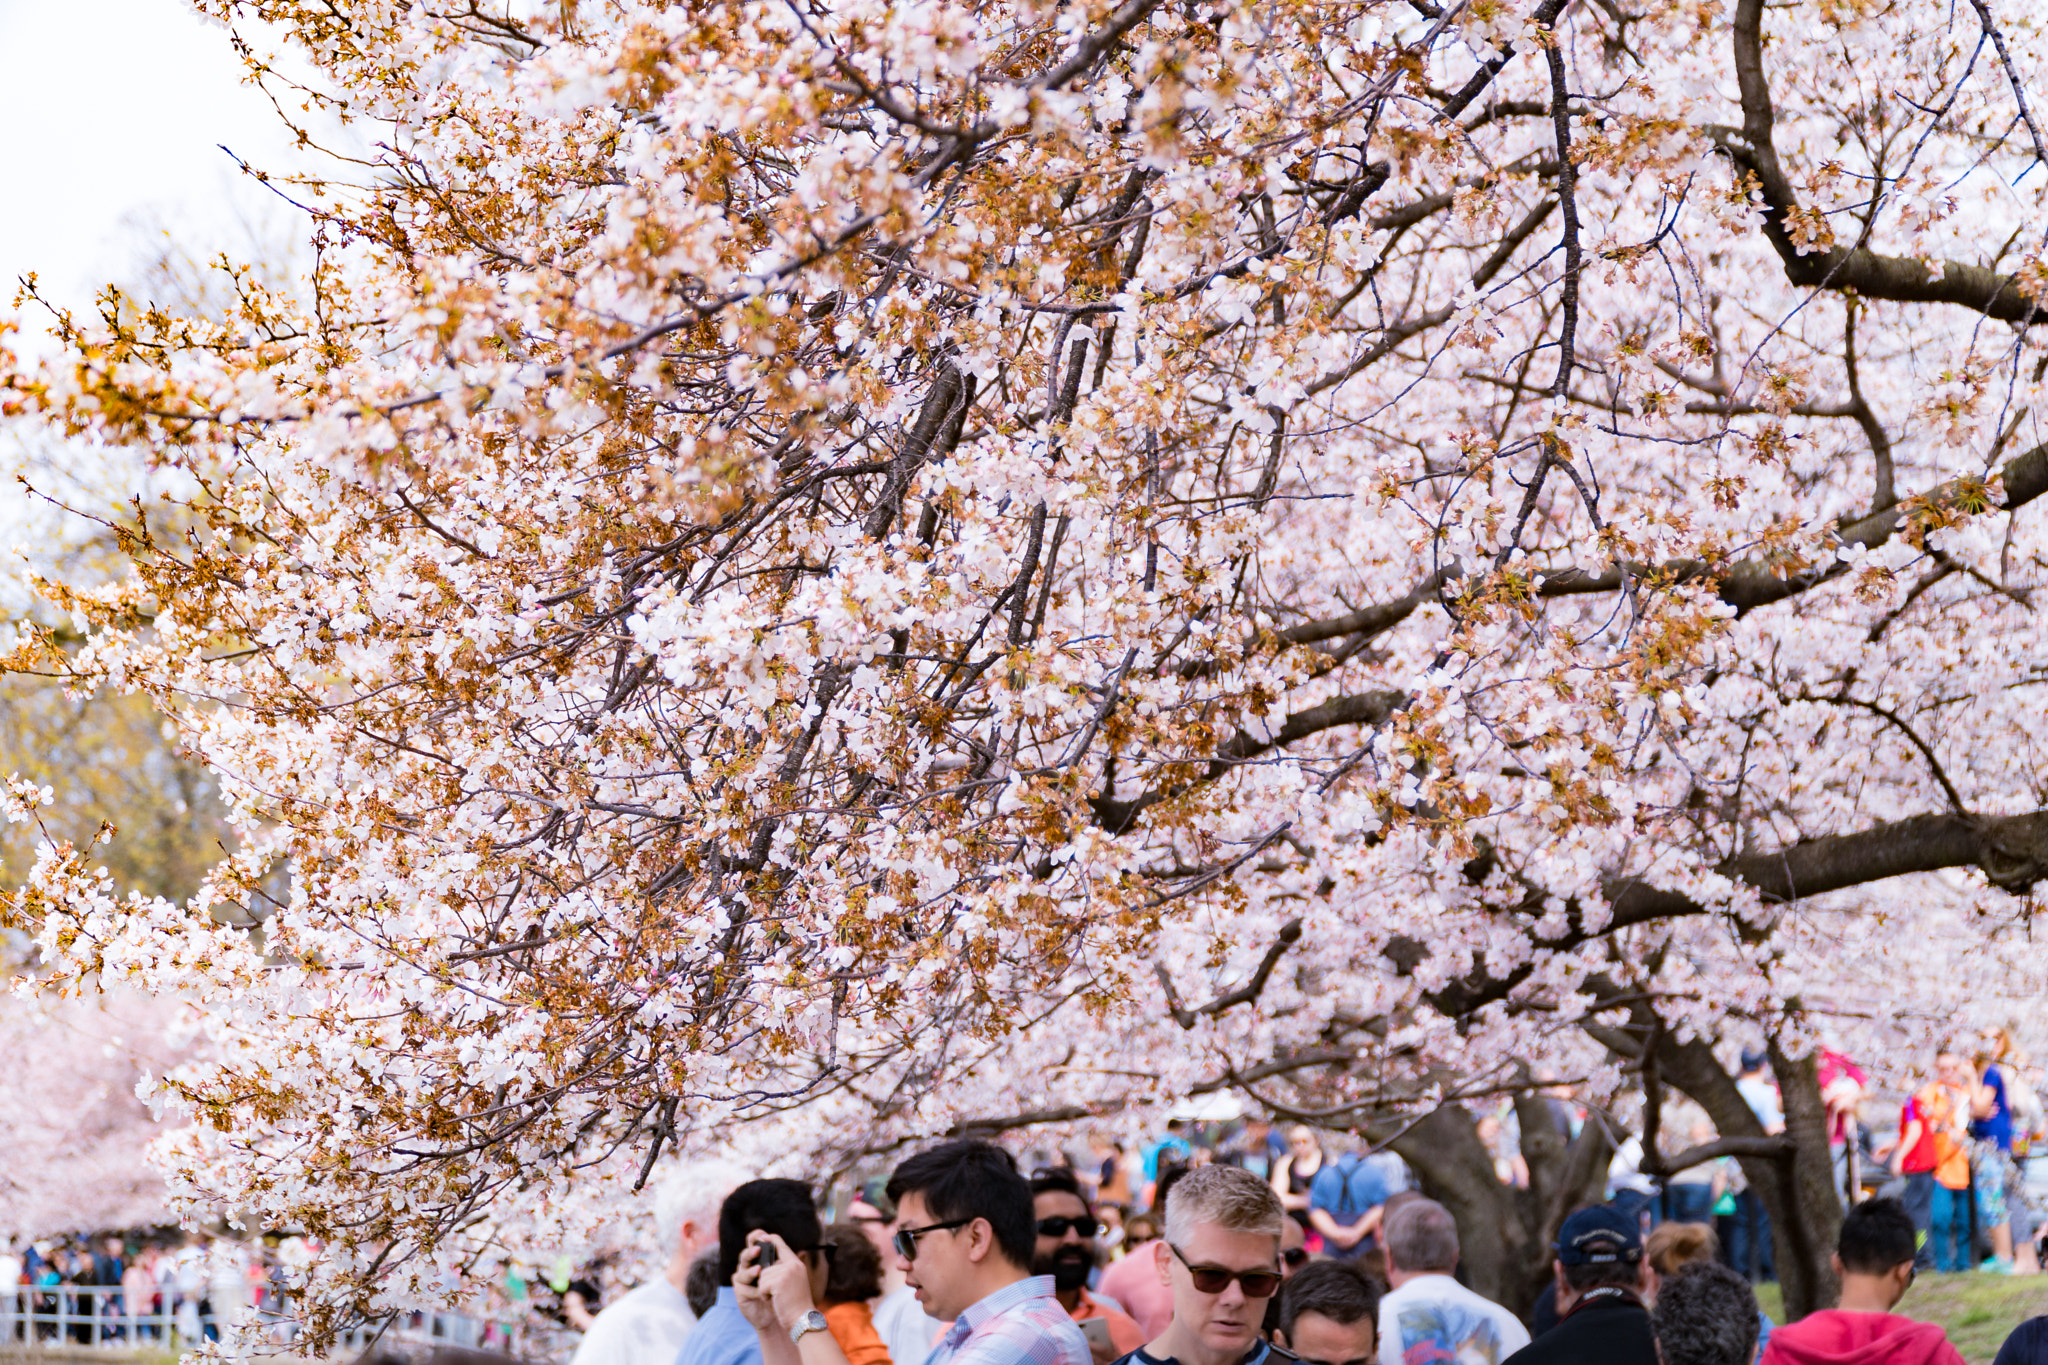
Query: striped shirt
[(1019, 1324)]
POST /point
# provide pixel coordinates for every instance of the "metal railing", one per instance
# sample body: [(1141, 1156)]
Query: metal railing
[(100, 1316)]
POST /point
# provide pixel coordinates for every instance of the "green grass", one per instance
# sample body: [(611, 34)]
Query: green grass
[(1975, 1310)]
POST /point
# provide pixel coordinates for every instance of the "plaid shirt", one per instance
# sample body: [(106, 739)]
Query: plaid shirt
[(1021, 1324)]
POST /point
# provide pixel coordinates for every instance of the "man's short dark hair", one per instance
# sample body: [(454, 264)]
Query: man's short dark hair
[(700, 1286), (1705, 1315), (1170, 1173), (1876, 1236), (782, 1207), (1620, 1274), (967, 1179), (1339, 1290)]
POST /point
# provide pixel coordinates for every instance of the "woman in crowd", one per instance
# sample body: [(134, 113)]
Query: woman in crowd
[(1293, 1173), (854, 1277)]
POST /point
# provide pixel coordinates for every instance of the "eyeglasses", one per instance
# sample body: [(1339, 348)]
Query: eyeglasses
[(1214, 1279), (1139, 1239), (1295, 1256), (1057, 1227), (905, 1240)]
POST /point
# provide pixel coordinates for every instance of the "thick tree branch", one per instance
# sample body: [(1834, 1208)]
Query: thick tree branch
[(2012, 851), (1857, 268)]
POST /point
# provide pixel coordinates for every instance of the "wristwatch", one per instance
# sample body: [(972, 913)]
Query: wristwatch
[(813, 1321)]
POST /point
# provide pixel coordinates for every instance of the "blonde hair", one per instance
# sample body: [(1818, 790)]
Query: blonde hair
[(1671, 1245), (1226, 1196)]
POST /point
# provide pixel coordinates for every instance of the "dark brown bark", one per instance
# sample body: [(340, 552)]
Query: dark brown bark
[(1505, 1233), (1855, 268)]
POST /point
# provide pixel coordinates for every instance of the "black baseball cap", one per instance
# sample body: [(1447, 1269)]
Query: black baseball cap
[(1599, 1235)]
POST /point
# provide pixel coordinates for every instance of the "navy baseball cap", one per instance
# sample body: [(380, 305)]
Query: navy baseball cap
[(1599, 1235)]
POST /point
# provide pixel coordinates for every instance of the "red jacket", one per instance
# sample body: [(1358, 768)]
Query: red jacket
[(1837, 1338)]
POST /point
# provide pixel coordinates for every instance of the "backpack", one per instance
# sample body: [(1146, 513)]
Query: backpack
[(1359, 1189)]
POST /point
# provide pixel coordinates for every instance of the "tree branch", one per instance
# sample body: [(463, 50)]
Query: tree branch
[(1868, 274), (1247, 994)]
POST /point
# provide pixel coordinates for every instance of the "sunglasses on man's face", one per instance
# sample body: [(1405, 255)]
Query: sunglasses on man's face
[(1214, 1279), (1295, 1256), (1057, 1227), (905, 1240)]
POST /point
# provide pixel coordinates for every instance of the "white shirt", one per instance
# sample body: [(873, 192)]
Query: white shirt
[(905, 1328), (1455, 1324), (1763, 1100), (646, 1327)]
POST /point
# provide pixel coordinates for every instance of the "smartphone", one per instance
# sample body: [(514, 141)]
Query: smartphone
[(1096, 1330), (766, 1256)]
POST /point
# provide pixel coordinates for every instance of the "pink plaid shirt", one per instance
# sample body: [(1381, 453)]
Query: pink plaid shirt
[(1021, 1324)]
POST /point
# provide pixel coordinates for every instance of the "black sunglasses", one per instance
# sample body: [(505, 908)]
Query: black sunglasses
[(905, 1240), (1057, 1227), (1295, 1256), (1214, 1279)]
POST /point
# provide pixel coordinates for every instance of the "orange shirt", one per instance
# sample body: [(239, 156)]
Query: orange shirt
[(853, 1326), (1124, 1333), (1946, 1118)]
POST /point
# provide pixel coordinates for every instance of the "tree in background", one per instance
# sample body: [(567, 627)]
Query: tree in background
[(825, 571)]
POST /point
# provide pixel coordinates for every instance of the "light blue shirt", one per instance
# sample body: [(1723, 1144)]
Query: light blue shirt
[(722, 1336)]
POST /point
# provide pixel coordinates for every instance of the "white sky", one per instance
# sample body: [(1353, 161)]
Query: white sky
[(114, 108)]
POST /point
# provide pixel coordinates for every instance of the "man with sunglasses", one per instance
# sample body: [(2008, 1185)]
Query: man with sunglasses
[(1067, 1251), (964, 1234), (1221, 1258)]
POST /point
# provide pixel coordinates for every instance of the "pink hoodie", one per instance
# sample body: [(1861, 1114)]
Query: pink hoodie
[(1837, 1338)]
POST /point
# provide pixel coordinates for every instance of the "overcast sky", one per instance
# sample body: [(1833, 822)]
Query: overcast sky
[(113, 110)]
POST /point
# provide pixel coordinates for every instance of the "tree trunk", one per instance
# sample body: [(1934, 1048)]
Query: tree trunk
[(1505, 1234), (1797, 1188)]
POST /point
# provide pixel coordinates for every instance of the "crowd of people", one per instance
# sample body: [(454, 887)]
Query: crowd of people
[(151, 1288), (1231, 1244), (960, 1258)]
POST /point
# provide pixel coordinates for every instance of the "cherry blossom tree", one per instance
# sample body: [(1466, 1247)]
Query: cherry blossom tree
[(813, 573)]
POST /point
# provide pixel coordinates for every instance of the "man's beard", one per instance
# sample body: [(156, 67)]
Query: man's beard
[(1069, 1267)]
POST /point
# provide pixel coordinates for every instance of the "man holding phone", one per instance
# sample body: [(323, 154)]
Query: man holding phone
[(1067, 1251), (759, 1218), (964, 1237)]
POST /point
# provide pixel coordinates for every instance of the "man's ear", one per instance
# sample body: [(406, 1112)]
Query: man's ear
[(1835, 1264), (981, 1240), (1160, 1255), (1280, 1339)]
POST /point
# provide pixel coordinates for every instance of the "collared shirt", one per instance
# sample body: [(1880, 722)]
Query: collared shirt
[(723, 1336), (1019, 1324), (646, 1327)]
